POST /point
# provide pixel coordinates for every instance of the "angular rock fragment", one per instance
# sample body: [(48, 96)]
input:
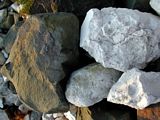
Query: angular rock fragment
[(121, 38), (90, 85), (45, 44), (136, 89), (155, 4)]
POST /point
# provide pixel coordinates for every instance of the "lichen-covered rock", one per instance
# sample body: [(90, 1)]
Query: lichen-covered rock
[(136, 89), (155, 4), (90, 85), (121, 38), (44, 46)]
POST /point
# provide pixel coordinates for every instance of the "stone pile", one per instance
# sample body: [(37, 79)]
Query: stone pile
[(43, 77)]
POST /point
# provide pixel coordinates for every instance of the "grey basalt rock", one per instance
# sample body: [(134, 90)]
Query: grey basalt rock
[(121, 38), (155, 4), (136, 89), (90, 84), (45, 44)]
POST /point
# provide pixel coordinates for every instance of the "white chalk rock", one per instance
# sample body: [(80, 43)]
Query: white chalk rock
[(155, 4), (90, 85), (121, 38), (136, 89)]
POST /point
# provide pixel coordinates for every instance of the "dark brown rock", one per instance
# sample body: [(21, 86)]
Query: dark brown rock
[(44, 46)]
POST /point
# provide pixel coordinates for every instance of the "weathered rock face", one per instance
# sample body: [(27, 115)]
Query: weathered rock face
[(44, 42), (90, 84), (136, 89), (121, 38), (155, 4), (10, 37)]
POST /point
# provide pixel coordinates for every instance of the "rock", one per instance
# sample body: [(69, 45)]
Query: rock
[(2, 59), (43, 50), (43, 6), (7, 22), (5, 4), (3, 115), (1, 103), (84, 114), (90, 85), (136, 89), (6, 94), (24, 109), (33, 116), (121, 38), (149, 113), (155, 4), (142, 5), (10, 37), (80, 7), (3, 14)]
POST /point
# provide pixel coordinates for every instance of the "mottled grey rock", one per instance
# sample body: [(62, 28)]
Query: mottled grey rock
[(121, 38), (155, 4), (136, 89), (90, 85), (43, 50)]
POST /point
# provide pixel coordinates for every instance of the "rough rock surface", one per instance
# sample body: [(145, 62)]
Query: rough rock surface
[(43, 43), (136, 89), (155, 4), (121, 38), (90, 84)]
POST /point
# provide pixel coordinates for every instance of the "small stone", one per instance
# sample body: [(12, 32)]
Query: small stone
[(33, 116), (155, 4), (149, 113), (121, 38), (7, 22), (136, 89), (90, 84), (3, 115), (2, 59), (1, 103), (24, 109)]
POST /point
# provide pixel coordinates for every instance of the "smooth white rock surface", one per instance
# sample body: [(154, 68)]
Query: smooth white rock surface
[(155, 4), (90, 84), (136, 89), (121, 38)]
